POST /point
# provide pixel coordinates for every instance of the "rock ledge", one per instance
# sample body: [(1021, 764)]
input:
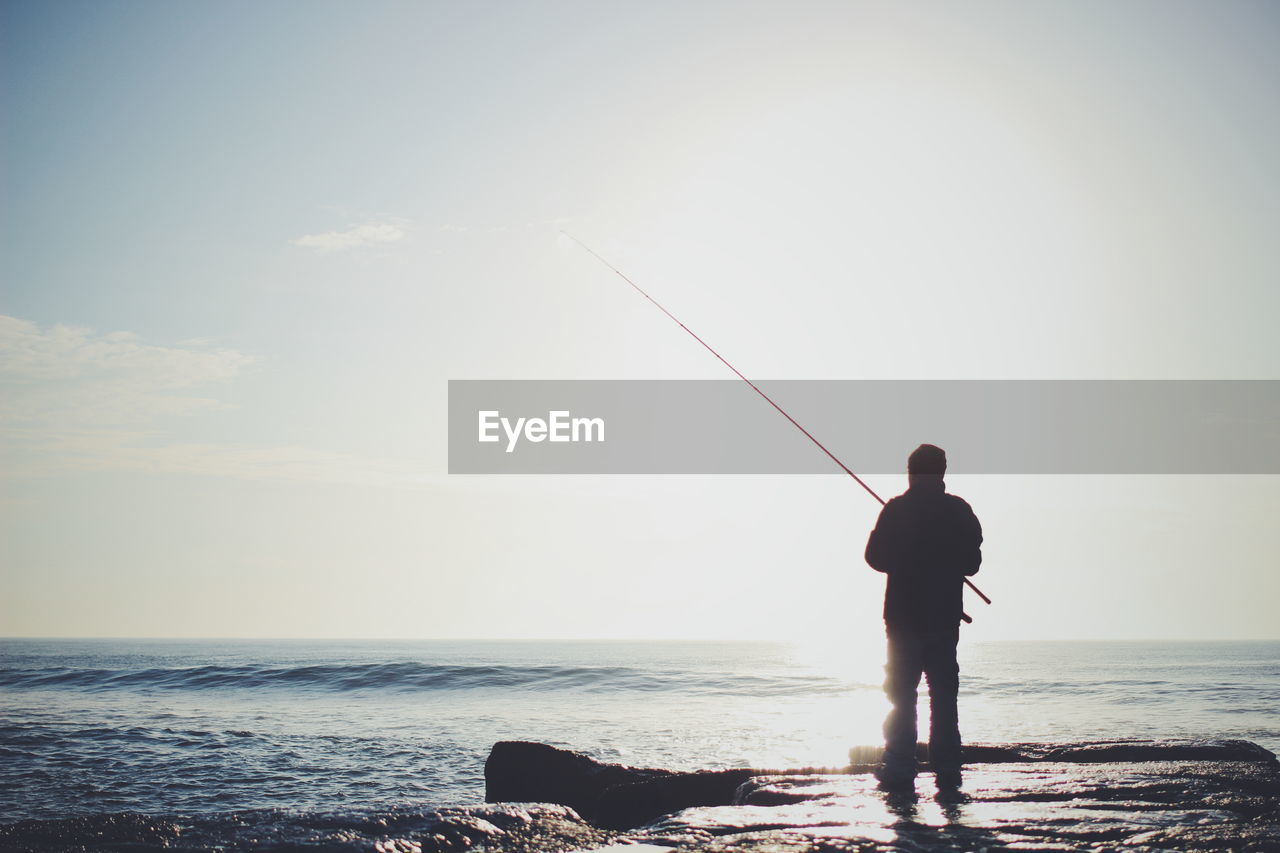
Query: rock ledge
[(1138, 795)]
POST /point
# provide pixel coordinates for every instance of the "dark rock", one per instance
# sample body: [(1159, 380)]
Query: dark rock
[(631, 804), (1164, 805), (518, 771), (1103, 751), (1135, 751), (990, 754), (613, 796), (492, 827), (1142, 796), (114, 831)]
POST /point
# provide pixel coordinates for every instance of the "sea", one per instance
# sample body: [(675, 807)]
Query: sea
[(205, 727)]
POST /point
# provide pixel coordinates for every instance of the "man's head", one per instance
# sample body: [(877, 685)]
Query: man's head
[(927, 459)]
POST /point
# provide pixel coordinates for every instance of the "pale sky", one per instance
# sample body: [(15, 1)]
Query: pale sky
[(246, 245)]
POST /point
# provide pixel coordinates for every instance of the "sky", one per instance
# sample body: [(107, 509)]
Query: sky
[(245, 246)]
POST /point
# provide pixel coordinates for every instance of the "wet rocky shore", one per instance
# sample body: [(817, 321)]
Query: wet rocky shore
[(1186, 795), (1135, 795)]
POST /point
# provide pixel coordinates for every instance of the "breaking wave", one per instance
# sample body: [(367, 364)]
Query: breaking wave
[(412, 676)]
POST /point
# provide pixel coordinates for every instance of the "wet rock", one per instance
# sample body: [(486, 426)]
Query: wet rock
[(1158, 805), (114, 831), (492, 827), (1169, 750), (635, 803), (613, 796), (528, 772), (1208, 749), (1141, 796)]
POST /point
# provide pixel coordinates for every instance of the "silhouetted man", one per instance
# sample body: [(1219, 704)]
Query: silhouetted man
[(926, 541)]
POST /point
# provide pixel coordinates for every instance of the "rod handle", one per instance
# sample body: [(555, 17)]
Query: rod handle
[(980, 593)]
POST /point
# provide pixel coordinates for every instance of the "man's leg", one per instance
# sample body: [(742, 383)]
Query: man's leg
[(902, 680), (943, 674)]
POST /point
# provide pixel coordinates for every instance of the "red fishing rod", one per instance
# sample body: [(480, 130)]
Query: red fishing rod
[(766, 397)]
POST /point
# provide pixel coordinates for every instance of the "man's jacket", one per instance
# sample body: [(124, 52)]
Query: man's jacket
[(926, 541)]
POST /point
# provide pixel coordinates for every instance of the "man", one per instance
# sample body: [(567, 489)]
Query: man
[(926, 541)]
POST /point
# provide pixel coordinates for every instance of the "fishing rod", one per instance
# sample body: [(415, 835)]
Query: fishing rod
[(766, 397)]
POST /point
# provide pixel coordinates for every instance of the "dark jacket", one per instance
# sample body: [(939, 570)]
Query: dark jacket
[(926, 541)]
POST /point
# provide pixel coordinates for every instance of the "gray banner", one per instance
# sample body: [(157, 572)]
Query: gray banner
[(986, 426)]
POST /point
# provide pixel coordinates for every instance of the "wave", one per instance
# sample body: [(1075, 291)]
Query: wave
[(417, 676)]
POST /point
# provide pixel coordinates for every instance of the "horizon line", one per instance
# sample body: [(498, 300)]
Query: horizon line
[(612, 639)]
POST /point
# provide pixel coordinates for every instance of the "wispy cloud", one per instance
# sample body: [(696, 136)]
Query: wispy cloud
[(136, 451), (74, 400), (354, 237), (66, 375)]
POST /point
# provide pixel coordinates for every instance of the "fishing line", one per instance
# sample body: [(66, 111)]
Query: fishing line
[(738, 373)]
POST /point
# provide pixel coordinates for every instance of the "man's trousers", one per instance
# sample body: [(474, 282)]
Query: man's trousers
[(933, 655)]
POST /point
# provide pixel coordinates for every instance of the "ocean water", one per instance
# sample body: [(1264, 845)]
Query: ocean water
[(206, 727)]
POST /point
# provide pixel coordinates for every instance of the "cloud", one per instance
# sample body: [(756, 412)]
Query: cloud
[(65, 376), (72, 400), (68, 452), (355, 237)]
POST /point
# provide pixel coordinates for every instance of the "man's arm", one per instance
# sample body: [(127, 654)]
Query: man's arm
[(879, 544), (973, 535)]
